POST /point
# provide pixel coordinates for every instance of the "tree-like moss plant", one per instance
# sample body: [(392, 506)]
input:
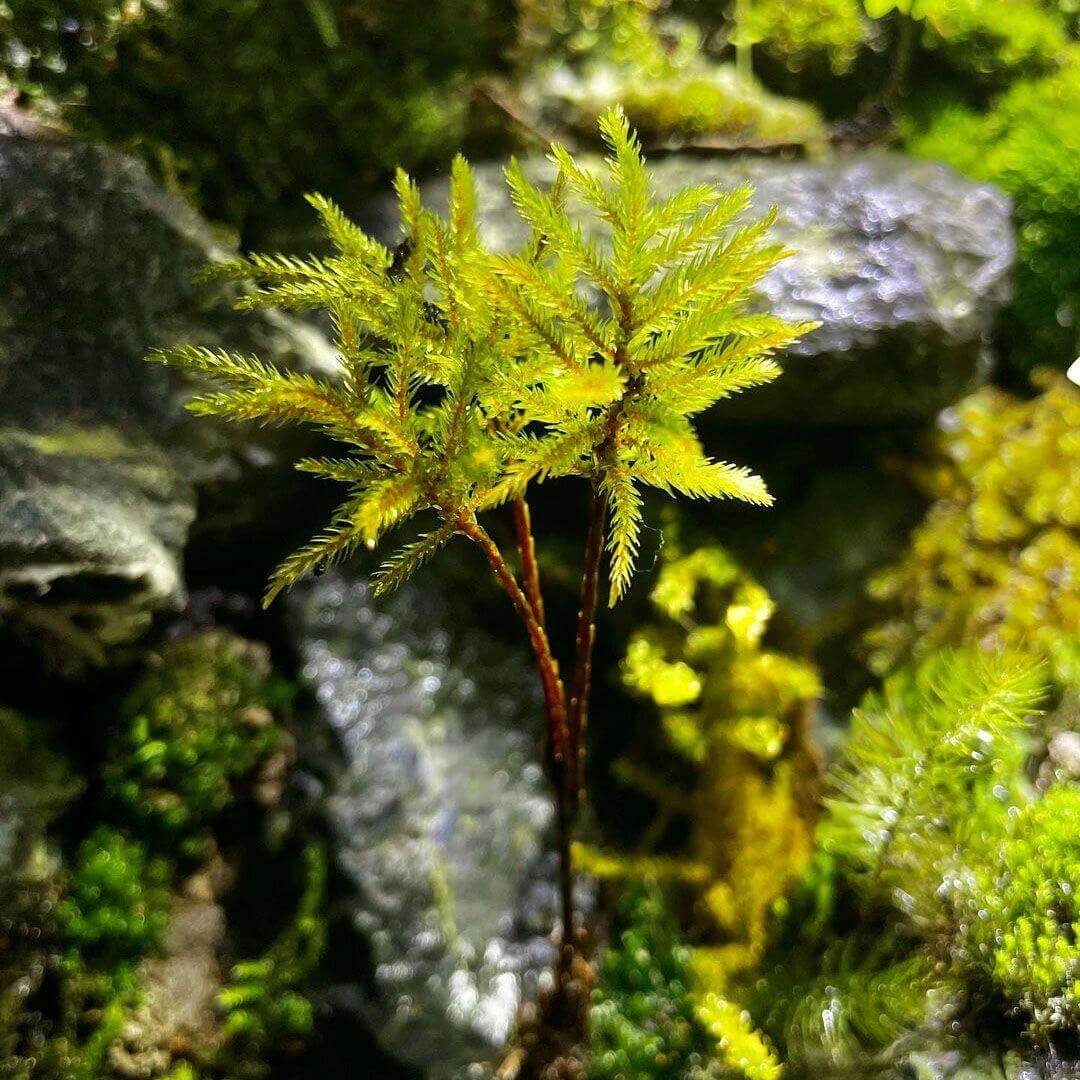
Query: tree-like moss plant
[(467, 376)]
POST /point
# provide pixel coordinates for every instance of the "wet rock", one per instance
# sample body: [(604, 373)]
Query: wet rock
[(91, 528), (440, 813), (177, 1015), (903, 262), (98, 461), (35, 785)]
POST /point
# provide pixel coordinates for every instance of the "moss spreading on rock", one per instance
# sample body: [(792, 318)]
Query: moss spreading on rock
[(996, 561), (590, 55), (195, 733), (111, 967), (1029, 145)]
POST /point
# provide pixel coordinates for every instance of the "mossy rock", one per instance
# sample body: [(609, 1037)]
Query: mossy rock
[(903, 262), (98, 461)]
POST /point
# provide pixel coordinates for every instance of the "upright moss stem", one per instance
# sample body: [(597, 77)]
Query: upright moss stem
[(551, 682), (530, 570), (585, 639), (560, 749)]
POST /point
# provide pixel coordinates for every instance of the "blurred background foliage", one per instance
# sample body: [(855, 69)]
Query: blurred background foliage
[(245, 105), (773, 912)]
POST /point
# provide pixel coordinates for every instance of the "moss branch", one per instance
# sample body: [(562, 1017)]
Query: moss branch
[(530, 569), (586, 636)]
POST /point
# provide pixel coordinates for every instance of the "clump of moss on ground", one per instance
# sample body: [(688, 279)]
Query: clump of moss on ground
[(198, 752)]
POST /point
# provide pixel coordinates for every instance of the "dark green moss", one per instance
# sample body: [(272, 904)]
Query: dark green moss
[(642, 1023), (264, 1003), (192, 736), (249, 104)]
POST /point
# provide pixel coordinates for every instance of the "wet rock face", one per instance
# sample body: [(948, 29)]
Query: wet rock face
[(35, 786), (177, 1014), (903, 262), (97, 458), (90, 534), (441, 815)]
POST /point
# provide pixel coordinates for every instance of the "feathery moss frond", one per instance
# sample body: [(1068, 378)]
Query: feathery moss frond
[(401, 566), (344, 470), (345, 235), (332, 545), (624, 502), (467, 376), (951, 723)]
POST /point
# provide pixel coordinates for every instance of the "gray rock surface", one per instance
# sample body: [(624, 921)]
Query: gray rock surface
[(177, 1015), (903, 262), (97, 458), (440, 814), (35, 785)]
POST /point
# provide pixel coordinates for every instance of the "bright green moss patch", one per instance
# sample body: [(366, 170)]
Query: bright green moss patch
[(799, 33), (193, 736), (1024, 936), (1028, 144), (643, 1022), (115, 910)]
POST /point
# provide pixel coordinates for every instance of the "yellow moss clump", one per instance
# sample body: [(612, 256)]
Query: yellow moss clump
[(740, 1046), (996, 560), (741, 715)]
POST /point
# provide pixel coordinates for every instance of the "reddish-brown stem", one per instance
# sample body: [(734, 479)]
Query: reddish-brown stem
[(554, 701), (530, 570), (586, 637), (557, 733)]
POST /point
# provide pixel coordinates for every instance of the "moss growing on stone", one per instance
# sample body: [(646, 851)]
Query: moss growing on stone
[(591, 55), (996, 560), (114, 912), (194, 734)]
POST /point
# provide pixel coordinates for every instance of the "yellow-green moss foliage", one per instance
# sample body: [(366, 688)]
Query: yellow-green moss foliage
[(740, 713), (991, 40), (798, 32), (1025, 934), (668, 87), (996, 561)]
